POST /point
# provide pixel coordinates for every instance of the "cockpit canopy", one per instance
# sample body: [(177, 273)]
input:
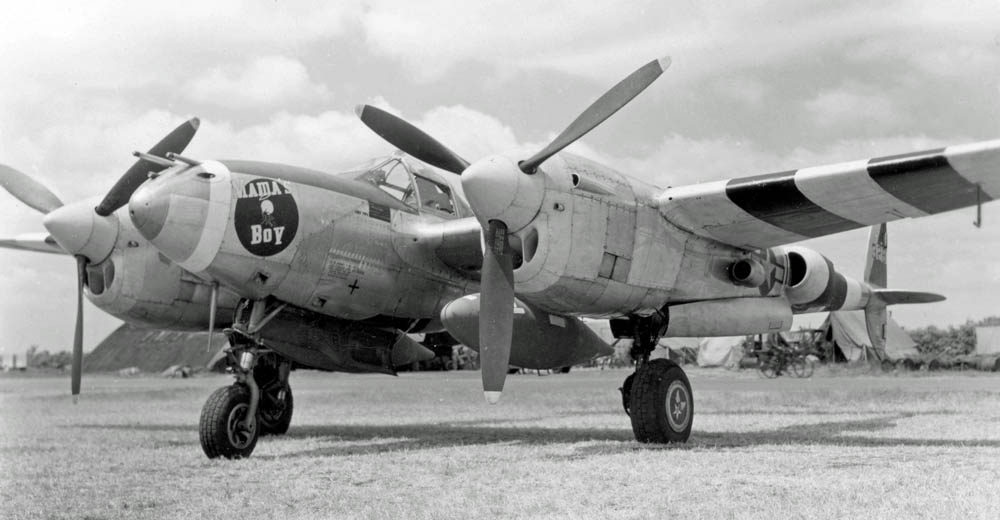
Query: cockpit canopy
[(412, 185)]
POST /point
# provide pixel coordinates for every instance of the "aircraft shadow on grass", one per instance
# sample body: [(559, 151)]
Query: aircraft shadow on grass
[(388, 438)]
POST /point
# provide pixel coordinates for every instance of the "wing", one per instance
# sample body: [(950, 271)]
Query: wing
[(33, 242), (780, 208)]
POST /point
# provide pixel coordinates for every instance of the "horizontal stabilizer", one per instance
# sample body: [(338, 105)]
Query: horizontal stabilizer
[(41, 242), (897, 297)]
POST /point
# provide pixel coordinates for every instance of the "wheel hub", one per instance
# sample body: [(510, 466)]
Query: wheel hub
[(241, 432), (678, 406)]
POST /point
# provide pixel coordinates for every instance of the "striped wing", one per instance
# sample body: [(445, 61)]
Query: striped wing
[(785, 207)]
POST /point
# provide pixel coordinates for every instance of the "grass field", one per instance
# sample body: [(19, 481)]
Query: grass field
[(427, 446)]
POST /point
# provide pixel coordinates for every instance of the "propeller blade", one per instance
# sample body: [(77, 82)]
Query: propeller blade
[(599, 110), (81, 265), (411, 139), (27, 190), (496, 310), (175, 142)]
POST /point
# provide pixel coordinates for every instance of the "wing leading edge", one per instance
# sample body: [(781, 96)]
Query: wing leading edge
[(41, 242), (785, 207)]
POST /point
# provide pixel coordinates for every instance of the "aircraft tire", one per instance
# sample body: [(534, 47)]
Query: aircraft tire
[(661, 406), (218, 426), (275, 422), (626, 391)]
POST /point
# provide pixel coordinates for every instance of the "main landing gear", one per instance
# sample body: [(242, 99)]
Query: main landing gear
[(657, 397), (260, 401)]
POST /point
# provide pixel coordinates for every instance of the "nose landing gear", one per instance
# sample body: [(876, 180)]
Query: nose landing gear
[(259, 401)]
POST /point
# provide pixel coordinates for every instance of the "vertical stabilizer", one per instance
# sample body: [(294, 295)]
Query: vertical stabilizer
[(876, 276)]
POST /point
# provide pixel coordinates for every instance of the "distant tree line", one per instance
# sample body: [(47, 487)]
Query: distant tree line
[(953, 341), (44, 359)]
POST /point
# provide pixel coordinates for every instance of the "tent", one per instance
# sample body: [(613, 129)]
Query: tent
[(721, 352), (847, 331), (987, 341), (679, 350)]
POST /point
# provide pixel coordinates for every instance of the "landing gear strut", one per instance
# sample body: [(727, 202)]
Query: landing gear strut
[(657, 397), (259, 401)]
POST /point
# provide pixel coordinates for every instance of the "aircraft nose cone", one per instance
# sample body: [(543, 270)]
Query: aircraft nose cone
[(498, 190), (81, 231), (148, 210)]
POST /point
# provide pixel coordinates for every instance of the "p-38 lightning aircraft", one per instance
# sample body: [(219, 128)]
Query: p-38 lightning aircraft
[(330, 271)]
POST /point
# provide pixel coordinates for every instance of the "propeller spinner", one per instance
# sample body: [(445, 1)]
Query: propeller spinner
[(499, 195)]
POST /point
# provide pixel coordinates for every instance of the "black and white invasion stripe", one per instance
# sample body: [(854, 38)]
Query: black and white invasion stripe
[(785, 207)]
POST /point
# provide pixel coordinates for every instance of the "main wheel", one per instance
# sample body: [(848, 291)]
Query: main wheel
[(275, 410), (661, 407), (221, 427), (626, 391)]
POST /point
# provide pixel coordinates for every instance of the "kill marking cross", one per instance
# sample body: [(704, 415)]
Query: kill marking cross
[(354, 286)]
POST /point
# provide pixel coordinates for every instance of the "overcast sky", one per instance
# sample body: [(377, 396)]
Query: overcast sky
[(754, 87)]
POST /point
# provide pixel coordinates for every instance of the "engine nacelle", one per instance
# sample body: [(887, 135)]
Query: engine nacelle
[(813, 285), (540, 340), (729, 317)]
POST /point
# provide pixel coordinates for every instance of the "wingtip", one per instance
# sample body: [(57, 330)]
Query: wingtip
[(75, 398), (664, 62), (359, 110), (194, 122), (492, 397)]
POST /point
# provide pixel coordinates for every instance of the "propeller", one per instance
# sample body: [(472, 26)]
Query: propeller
[(496, 310), (598, 111), (174, 142), (497, 194), (27, 190), (77, 366), (411, 139), (80, 232)]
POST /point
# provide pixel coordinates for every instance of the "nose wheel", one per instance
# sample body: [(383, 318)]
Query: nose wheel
[(225, 428)]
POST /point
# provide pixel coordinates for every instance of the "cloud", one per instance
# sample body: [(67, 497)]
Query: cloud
[(109, 44), (589, 38), (851, 105), (680, 160), (469, 132), (754, 87), (264, 82)]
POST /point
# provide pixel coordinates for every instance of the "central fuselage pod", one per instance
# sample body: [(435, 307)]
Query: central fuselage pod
[(344, 246)]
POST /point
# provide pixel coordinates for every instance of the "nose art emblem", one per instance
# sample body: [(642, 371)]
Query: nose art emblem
[(266, 217)]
